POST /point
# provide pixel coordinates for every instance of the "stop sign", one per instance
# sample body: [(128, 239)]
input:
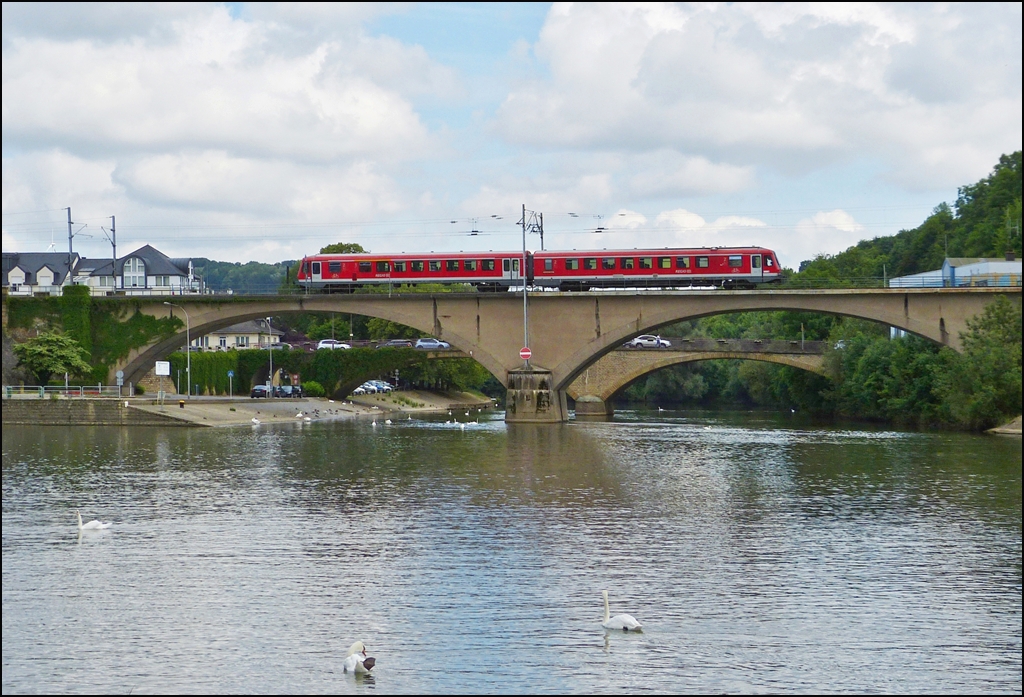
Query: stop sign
[(525, 353)]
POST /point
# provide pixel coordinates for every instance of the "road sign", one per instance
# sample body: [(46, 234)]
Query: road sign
[(163, 368), (525, 353), (119, 374), (231, 373), (120, 381)]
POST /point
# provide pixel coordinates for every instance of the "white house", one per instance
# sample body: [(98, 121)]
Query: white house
[(42, 273), (244, 335)]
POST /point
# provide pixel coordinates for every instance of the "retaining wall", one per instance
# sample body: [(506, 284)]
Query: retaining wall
[(81, 412)]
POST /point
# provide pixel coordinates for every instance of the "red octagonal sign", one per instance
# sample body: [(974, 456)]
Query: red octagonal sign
[(525, 353)]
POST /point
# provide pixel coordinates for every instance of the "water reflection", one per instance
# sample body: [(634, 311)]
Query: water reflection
[(760, 554)]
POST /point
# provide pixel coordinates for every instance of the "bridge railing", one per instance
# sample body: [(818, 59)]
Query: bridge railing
[(740, 345), (69, 392)]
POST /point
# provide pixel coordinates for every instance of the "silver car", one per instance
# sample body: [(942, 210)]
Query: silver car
[(648, 341)]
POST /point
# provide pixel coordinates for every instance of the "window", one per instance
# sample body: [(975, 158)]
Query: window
[(682, 262), (134, 273), (241, 341), (305, 267), (365, 267), (434, 265), (608, 263), (416, 266), (106, 281), (664, 262), (505, 264), (572, 264), (316, 268), (383, 266), (515, 265), (768, 261), (162, 280), (549, 264), (590, 264), (735, 261), (702, 262), (646, 262), (451, 265), (488, 264), (334, 266), (400, 267), (470, 264), (755, 261), (626, 263)]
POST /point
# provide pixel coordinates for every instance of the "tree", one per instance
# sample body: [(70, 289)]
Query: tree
[(343, 248), (51, 353)]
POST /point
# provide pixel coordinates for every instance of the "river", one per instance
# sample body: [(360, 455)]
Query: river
[(760, 552)]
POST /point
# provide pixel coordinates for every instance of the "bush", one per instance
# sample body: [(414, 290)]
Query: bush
[(312, 388), (140, 390)]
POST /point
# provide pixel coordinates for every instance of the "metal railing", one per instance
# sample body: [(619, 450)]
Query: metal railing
[(56, 392)]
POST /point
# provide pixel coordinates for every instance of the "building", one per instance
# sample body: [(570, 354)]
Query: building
[(146, 271), (244, 335), (961, 272)]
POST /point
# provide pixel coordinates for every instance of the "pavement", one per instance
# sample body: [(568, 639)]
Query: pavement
[(223, 411)]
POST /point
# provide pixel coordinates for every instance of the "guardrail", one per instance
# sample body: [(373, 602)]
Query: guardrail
[(69, 392), (744, 345)]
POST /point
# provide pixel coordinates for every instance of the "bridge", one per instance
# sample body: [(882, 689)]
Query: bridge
[(568, 332), (594, 388)]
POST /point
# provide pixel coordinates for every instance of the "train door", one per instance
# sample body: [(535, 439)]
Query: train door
[(756, 271), (314, 272), (510, 270)]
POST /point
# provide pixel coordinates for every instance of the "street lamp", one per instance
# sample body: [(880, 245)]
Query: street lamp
[(188, 350), (270, 348)]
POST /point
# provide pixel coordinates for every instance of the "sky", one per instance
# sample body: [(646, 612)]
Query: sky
[(262, 132)]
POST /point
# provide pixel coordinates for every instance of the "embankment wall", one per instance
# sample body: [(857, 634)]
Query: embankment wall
[(81, 412)]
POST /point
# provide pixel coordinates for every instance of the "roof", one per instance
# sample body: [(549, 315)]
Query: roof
[(95, 267), (34, 262), (156, 262), (253, 326)]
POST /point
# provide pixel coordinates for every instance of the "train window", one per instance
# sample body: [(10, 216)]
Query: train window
[(305, 267), (702, 262), (572, 264), (400, 266), (735, 261), (470, 264), (451, 264), (608, 263), (626, 263), (682, 262), (768, 261), (664, 262), (383, 266), (505, 264), (646, 262), (755, 261), (416, 265), (549, 264), (590, 264), (365, 266), (487, 264), (334, 266), (316, 267), (434, 265), (515, 264)]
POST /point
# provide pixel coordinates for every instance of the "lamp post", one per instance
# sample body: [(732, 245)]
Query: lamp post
[(188, 350), (270, 349)]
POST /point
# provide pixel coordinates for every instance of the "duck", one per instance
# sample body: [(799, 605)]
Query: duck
[(626, 623), (91, 525), (356, 660)]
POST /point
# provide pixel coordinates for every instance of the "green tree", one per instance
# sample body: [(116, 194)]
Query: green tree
[(52, 353), (343, 248)]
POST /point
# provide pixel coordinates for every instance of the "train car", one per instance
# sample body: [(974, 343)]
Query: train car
[(727, 267)]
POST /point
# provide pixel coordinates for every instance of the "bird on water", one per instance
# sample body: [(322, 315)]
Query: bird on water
[(626, 623)]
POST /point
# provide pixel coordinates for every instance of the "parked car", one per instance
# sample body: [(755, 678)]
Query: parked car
[(259, 391), (332, 344), (430, 344), (648, 341), (359, 390), (382, 386), (396, 343), (274, 347)]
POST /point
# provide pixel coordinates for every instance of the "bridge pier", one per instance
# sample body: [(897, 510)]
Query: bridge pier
[(530, 399), (592, 408)]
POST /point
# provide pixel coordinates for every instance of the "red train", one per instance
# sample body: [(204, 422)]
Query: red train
[(727, 267)]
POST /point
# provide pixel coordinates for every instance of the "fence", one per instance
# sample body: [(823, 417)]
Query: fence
[(69, 392)]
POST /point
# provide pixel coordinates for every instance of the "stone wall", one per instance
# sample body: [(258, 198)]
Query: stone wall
[(81, 412)]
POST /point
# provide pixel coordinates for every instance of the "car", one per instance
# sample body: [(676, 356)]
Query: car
[(359, 390), (259, 391), (396, 343), (331, 344), (430, 344), (648, 341), (288, 391), (368, 388), (382, 386)]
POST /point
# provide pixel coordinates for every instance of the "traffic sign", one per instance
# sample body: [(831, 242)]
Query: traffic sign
[(231, 373), (525, 353)]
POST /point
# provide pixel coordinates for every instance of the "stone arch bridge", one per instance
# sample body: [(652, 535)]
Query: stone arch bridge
[(568, 331)]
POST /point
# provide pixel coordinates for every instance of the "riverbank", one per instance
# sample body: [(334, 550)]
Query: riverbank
[(1011, 429), (220, 411)]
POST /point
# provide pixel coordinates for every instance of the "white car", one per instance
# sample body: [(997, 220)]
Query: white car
[(432, 344), (648, 341), (331, 344)]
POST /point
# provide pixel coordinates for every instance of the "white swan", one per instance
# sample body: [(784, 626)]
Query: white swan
[(254, 421), (387, 421), (356, 660), (626, 623), (91, 525)]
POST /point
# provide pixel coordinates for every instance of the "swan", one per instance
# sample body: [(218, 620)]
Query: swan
[(356, 661), (306, 419), (374, 423), (387, 421), (626, 623), (254, 421), (91, 525), (299, 415)]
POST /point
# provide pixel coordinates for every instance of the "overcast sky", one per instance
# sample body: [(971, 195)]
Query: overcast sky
[(263, 132)]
